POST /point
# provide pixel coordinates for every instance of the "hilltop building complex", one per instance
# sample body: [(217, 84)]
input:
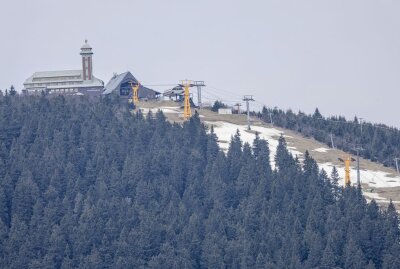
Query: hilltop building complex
[(77, 82), (83, 82)]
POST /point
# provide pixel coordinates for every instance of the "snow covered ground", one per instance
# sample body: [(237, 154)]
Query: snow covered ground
[(225, 131), (171, 110), (321, 150), (374, 179), (373, 195)]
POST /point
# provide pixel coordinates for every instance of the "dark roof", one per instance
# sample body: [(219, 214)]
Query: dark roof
[(115, 83)]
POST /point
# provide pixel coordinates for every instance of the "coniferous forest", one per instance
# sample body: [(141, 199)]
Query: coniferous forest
[(87, 184), (379, 142)]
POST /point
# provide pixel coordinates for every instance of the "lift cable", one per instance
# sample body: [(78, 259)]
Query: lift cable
[(233, 96), (160, 85)]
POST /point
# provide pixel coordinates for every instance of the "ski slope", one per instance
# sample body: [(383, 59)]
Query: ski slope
[(377, 182), (225, 130), (165, 110), (321, 150), (373, 179)]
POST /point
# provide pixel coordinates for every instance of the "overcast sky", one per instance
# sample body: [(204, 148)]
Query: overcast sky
[(340, 56)]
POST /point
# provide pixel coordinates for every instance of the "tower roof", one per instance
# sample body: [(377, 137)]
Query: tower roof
[(86, 45), (86, 49)]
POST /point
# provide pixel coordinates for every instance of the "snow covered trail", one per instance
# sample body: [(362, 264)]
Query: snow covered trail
[(225, 131), (171, 110), (374, 179), (321, 150)]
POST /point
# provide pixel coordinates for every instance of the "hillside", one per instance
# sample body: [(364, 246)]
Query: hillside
[(378, 181), (91, 185), (379, 143)]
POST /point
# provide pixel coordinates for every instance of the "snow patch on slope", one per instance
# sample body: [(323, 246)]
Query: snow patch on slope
[(225, 131), (168, 110), (374, 195), (376, 179), (321, 150)]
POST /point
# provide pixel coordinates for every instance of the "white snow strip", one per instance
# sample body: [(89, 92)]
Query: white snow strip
[(225, 131), (376, 179), (168, 110), (171, 107), (373, 195), (321, 150)]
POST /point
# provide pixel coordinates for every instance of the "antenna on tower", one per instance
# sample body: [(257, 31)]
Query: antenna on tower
[(248, 98), (358, 149), (199, 84)]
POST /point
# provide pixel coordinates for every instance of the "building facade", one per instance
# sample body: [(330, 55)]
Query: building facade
[(71, 82), (122, 85)]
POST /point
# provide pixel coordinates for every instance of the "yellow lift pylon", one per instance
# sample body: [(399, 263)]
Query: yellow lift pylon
[(347, 162), (135, 93), (186, 84)]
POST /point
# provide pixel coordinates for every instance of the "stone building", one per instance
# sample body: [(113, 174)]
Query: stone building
[(71, 82)]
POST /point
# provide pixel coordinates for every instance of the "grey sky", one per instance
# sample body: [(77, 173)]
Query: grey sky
[(290, 54)]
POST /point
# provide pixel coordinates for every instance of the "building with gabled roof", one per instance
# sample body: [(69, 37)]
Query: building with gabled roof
[(122, 85), (73, 82)]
